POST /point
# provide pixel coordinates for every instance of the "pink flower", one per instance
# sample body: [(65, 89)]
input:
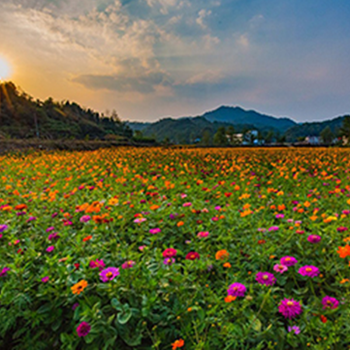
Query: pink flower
[(168, 261), (139, 220), (155, 230), (280, 268), (236, 289), (290, 308), (45, 279), (188, 204), (142, 247), (128, 264), (203, 234), (50, 248), (329, 302), (266, 278), (83, 329), (4, 271), (309, 270), (109, 274), (288, 261), (192, 256), (85, 218), (169, 253), (314, 238), (97, 263)]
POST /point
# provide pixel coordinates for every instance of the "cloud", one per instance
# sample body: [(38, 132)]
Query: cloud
[(202, 14)]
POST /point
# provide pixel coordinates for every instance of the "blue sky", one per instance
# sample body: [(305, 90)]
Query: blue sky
[(153, 58)]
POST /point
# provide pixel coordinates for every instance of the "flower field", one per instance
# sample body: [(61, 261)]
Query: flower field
[(175, 249)]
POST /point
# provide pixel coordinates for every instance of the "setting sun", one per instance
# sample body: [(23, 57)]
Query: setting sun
[(5, 69)]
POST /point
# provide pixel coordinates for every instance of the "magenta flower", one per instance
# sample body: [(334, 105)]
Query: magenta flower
[(314, 238), (85, 218), (4, 271), (266, 278), (53, 235), (280, 268), (168, 261), (342, 229), (290, 308), (203, 234), (83, 329), (294, 329), (188, 204), (169, 253), (154, 231), (142, 247), (329, 302), (97, 263), (45, 279), (128, 264), (3, 228), (31, 218), (273, 228), (309, 270), (236, 289), (51, 228), (279, 216), (288, 261), (109, 273), (50, 248)]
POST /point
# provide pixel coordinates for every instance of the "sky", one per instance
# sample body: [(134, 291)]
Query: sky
[(150, 59)]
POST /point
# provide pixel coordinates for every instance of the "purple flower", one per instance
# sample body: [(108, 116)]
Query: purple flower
[(128, 264), (154, 231), (288, 261), (236, 289), (266, 278), (54, 215), (296, 329), (168, 261), (314, 238), (85, 218), (31, 218), (50, 248), (108, 274), (51, 228), (83, 329), (329, 302), (3, 272), (273, 228), (279, 216), (309, 270), (290, 308), (45, 279), (75, 305), (3, 228), (280, 268)]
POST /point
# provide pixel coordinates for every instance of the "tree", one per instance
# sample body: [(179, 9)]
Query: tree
[(231, 134), (327, 135), (220, 138), (345, 128), (206, 138), (269, 137)]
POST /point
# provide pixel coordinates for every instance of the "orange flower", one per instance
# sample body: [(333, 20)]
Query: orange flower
[(180, 223), (178, 344), (230, 298), (222, 255), (20, 207), (344, 251), (227, 265), (79, 287), (87, 238), (344, 280)]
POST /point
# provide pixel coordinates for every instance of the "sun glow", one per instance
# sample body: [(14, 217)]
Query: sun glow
[(5, 69)]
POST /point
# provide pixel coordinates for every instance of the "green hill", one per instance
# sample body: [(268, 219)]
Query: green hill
[(23, 117)]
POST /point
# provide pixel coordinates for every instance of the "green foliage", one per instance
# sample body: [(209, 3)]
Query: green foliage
[(22, 117)]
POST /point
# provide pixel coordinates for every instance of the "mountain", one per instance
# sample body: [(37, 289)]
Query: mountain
[(313, 129), (21, 117), (237, 115), (137, 126), (186, 130)]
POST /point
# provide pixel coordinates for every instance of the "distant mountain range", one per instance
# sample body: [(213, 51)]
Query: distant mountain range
[(190, 129)]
